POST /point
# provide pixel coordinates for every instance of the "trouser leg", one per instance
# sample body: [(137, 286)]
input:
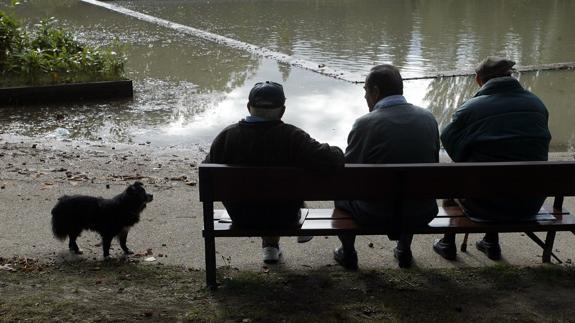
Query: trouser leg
[(449, 238), (270, 242), (347, 242), (492, 237), (404, 242)]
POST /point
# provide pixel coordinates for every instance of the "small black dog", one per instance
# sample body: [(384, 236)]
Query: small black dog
[(109, 217)]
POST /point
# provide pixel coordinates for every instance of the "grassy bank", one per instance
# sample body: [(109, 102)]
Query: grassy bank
[(125, 291), (48, 54)]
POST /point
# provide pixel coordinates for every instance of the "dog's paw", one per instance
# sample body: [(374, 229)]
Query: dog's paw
[(128, 252), (77, 252)]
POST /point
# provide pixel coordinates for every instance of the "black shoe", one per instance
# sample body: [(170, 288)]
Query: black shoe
[(404, 257), (445, 249), (347, 260), (491, 249)]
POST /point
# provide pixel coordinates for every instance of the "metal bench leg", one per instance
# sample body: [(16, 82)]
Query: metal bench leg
[(210, 251), (548, 249), (543, 245), (464, 243)]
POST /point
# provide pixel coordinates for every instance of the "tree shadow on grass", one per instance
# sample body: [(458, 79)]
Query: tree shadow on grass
[(501, 293), (127, 290)]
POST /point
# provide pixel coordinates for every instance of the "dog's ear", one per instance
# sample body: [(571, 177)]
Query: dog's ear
[(138, 183)]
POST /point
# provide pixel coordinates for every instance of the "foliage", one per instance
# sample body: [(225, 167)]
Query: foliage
[(49, 54), (10, 37)]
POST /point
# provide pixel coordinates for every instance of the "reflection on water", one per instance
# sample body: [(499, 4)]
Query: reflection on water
[(187, 90), (420, 36)]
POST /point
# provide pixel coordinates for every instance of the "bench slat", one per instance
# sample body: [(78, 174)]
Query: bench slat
[(319, 222), (448, 211)]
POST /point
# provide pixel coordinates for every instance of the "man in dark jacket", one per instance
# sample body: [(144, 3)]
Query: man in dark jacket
[(393, 132), (262, 139), (502, 122)]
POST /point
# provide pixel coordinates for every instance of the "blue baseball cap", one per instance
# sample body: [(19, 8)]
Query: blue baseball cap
[(267, 95)]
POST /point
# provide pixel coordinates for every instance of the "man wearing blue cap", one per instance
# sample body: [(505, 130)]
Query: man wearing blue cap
[(262, 139)]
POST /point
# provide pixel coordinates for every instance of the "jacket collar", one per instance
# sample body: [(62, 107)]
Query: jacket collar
[(500, 84), (390, 101)]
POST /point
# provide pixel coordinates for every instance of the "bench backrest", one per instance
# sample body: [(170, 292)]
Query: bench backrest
[(355, 181)]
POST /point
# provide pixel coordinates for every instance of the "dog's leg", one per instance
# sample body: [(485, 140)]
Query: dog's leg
[(73, 246), (123, 237), (106, 243)]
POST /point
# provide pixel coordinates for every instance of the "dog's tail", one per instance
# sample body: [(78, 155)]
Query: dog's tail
[(59, 225)]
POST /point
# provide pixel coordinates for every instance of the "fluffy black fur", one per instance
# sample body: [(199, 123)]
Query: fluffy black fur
[(109, 217)]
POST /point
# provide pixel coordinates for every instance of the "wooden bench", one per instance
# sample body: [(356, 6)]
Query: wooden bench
[(439, 181)]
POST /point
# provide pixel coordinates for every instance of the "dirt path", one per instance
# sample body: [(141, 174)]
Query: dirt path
[(34, 172)]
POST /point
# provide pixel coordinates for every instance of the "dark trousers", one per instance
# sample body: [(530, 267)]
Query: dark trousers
[(348, 241)]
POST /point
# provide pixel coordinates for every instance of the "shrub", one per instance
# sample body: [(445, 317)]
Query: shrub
[(48, 54)]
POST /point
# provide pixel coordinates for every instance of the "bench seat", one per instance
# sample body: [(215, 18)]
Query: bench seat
[(451, 219)]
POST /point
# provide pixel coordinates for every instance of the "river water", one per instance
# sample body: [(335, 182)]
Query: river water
[(187, 88)]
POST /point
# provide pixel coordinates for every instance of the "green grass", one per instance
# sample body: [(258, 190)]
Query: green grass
[(48, 54)]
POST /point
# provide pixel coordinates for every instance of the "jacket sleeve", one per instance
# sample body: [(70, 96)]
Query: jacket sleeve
[(214, 156), (455, 137), (314, 155), (356, 141)]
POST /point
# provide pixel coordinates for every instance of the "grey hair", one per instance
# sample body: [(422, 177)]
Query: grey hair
[(267, 113)]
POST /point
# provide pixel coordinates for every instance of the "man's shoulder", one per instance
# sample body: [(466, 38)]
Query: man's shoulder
[(232, 126), (421, 110), (291, 128), (474, 103), (401, 109), (517, 98)]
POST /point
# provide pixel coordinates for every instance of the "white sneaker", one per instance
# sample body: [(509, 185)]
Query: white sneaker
[(271, 254)]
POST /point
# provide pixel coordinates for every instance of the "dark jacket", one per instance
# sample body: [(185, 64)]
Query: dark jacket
[(394, 134), (271, 143), (502, 122)]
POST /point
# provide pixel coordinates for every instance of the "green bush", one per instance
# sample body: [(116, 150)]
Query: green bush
[(10, 37), (49, 55)]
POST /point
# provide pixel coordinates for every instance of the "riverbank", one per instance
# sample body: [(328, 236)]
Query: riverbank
[(34, 172), (164, 281), (122, 291)]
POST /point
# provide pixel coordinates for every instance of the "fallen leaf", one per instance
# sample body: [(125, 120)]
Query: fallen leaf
[(179, 178), (7, 267)]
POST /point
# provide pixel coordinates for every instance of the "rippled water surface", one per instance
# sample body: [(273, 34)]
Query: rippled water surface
[(187, 89)]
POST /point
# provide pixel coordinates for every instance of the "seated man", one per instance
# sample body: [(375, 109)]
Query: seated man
[(502, 122), (262, 139), (393, 132)]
